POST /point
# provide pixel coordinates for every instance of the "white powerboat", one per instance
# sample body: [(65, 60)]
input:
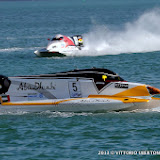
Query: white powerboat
[(60, 46), (91, 90)]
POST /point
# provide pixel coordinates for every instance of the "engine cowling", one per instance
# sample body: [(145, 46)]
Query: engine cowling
[(4, 84)]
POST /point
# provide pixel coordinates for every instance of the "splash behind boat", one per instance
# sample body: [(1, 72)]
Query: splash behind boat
[(60, 46), (88, 90)]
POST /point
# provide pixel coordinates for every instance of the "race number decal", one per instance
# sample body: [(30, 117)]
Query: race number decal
[(74, 89)]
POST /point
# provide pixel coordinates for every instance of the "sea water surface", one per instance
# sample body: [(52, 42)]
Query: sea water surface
[(123, 36)]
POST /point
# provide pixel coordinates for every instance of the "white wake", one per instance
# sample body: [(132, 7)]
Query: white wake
[(141, 35)]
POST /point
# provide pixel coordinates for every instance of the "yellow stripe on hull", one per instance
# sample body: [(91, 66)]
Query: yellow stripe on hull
[(38, 102), (122, 99)]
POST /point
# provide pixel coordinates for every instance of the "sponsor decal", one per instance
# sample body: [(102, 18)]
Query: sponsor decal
[(94, 100), (36, 86), (35, 96), (121, 85), (63, 45)]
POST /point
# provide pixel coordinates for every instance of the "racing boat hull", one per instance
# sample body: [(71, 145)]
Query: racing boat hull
[(61, 46), (89, 90), (45, 53), (78, 105)]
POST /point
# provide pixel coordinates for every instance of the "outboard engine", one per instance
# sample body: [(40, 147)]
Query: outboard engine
[(78, 40), (4, 84)]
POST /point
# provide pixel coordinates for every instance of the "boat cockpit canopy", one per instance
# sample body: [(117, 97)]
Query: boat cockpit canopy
[(98, 74), (57, 37)]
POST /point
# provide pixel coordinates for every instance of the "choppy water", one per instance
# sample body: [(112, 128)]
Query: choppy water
[(123, 36)]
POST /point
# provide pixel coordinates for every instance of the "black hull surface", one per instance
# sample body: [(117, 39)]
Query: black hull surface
[(50, 54), (45, 53)]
